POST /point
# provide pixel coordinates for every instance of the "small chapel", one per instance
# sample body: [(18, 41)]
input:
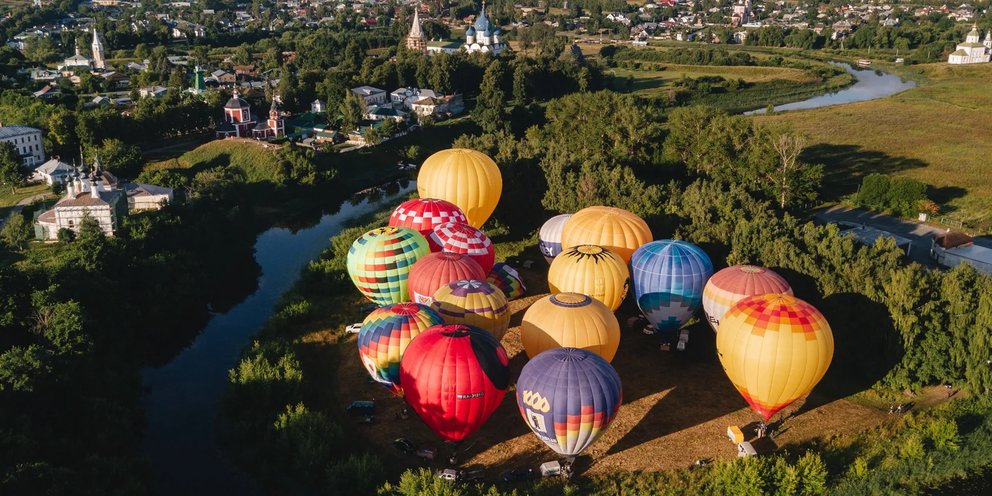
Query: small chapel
[(239, 122), (972, 51)]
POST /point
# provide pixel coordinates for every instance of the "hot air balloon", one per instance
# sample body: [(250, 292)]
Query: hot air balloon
[(614, 228), (438, 269), (385, 334), (568, 397), (467, 178), (454, 377), (550, 236), (475, 303), (463, 238), (380, 260), (669, 277), (774, 348), (590, 270), (424, 214), (570, 320), (507, 279), (733, 284)]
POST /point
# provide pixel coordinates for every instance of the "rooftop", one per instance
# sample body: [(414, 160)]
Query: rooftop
[(14, 131)]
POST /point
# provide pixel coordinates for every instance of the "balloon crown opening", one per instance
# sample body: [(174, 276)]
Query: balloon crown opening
[(567, 354), (570, 299), (447, 255), (456, 331), (589, 249), (751, 269), (405, 308)]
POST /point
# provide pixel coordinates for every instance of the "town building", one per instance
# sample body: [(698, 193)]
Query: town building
[(415, 40), (146, 197), (371, 95), (972, 51), (77, 62), (27, 142), (274, 126), (98, 51), (483, 36), (318, 106), (93, 195), (741, 13), (238, 122), (52, 172)]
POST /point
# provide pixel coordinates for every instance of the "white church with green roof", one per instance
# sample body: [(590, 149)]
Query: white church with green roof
[(973, 51)]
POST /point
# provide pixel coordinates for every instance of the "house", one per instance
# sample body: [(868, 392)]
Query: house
[(318, 106), (27, 142), (52, 172), (436, 106), (47, 93), (383, 112), (405, 97), (371, 95), (146, 196), (153, 91)]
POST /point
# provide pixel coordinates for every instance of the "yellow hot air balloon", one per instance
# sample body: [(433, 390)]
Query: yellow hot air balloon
[(474, 303), (590, 270), (614, 228), (573, 320), (774, 348), (467, 178)]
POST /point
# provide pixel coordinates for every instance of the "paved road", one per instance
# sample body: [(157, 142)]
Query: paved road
[(918, 232)]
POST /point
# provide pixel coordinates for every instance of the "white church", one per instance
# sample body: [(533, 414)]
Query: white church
[(972, 51), (484, 35)]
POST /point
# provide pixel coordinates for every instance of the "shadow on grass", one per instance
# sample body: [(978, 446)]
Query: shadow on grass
[(845, 165)]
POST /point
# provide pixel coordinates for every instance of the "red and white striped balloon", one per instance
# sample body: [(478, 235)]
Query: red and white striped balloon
[(424, 214), (455, 237)]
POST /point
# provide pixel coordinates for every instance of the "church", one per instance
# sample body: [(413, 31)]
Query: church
[(972, 51), (481, 36), (239, 123)]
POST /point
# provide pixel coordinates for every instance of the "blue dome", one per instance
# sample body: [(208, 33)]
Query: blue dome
[(482, 23), (470, 32), (487, 33)]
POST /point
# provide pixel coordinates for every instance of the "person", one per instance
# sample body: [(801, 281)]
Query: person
[(891, 409), (899, 408), (950, 390)]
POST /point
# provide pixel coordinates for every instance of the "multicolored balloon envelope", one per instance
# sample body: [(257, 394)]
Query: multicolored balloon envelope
[(570, 320), (475, 303), (733, 284), (590, 270), (379, 262), (438, 269), (467, 240), (774, 348), (385, 335), (614, 228), (550, 236), (454, 377), (424, 214), (669, 277), (467, 178), (568, 397), (507, 279)]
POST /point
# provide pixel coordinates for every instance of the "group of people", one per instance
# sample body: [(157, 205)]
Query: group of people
[(763, 430)]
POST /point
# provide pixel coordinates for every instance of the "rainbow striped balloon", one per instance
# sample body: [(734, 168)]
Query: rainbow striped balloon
[(508, 280), (379, 262), (568, 397), (474, 303), (385, 334)]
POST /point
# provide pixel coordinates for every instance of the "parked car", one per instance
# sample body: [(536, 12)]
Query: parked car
[(519, 474), (427, 453), (403, 444), (448, 474), (361, 408), (549, 469), (353, 328)]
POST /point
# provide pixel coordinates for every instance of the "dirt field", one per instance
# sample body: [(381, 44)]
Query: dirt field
[(676, 407)]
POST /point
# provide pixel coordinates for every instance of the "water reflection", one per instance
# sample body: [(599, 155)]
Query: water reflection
[(869, 85)]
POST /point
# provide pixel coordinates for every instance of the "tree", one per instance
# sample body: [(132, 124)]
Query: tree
[(490, 106), (117, 156), (62, 131), (791, 180), (12, 170), (16, 232), (352, 110)]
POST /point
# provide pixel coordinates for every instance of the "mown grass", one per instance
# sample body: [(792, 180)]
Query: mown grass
[(648, 80), (938, 133), (256, 159)]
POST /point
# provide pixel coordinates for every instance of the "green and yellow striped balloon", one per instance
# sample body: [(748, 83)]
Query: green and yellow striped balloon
[(379, 262)]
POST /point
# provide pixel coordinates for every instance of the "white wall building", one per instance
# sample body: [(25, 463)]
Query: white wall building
[(972, 51), (27, 142)]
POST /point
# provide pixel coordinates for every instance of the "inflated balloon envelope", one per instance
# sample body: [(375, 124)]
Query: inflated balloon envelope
[(380, 260), (467, 178), (385, 335), (733, 284), (568, 397)]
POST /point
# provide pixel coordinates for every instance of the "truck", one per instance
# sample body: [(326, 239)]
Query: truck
[(745, 449), (951, 249)]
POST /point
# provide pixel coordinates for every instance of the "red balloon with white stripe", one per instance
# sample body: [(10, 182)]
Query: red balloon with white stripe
[(455, 237), (735, 283), (424, 214)]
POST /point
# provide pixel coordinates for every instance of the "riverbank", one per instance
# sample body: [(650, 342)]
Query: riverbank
[(935, 133)]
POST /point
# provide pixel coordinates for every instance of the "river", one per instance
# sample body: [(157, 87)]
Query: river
[(184, 395), (870, 84)]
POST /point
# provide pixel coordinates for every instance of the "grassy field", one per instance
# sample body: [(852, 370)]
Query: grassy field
[(256, 159), (938, 133), (8, 198)]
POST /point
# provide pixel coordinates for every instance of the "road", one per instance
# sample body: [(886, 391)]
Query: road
[(918, 232)]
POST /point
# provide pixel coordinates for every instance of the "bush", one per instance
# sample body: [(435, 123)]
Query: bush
[(898, 195)]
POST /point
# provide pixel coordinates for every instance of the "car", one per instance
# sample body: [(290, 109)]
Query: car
[(519, 474), (353, 328), (471, 475), (361, 408), (649, 330), (448, 474), (427, 453), (405, 445)]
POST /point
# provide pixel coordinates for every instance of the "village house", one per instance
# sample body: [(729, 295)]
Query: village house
[(26, 141)]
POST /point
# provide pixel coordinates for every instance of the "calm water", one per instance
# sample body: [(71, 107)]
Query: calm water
[(181, 407), (870, 84)]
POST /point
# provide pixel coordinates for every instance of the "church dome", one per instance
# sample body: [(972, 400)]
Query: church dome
[(482, 23), (487, 33), (470, 31), (236, 103)]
